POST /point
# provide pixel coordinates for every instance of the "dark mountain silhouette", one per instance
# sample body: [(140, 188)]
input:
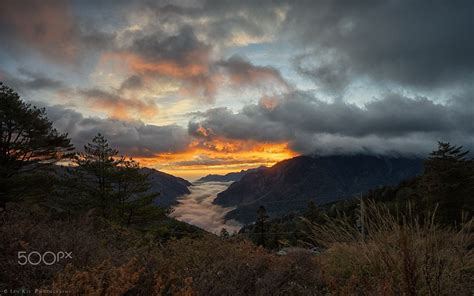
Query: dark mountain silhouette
[(290, 184), (230, 177), (169, 187)]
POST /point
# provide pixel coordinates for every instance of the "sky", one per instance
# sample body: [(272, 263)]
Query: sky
[(199, 87)]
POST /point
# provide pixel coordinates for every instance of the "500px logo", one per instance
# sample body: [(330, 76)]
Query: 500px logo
[(47, 258)]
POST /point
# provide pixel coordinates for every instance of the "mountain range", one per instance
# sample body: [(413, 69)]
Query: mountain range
[(290, 184), (230, 177)]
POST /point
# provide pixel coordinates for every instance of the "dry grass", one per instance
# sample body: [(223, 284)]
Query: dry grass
[(397, 256), (91, 242), (213, 266), (111, 260)]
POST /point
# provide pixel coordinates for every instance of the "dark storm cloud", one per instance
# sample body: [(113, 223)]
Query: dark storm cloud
[(132, 82), (223, 19), (414, 43), (249, 124), (242, 72), (391, 124), (28, 80), (53, 29), (116, 105), (95, 39), (421, 44), (179, 56), (179, 47), (182, 56), (332, 76), (407, 44), (132, 138)]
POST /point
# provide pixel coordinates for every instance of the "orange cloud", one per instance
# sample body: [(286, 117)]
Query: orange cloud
[(218, 157), (269, 103), (118, 107), (194, 71), (168, 68), (200, 75)]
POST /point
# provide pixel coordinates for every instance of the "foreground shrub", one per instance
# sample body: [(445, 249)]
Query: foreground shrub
[(91, 241), (112, 260), (214, 266), (103, 279), (395, 255)]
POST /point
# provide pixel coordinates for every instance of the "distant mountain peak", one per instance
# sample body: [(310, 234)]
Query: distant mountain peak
[(229, 177)]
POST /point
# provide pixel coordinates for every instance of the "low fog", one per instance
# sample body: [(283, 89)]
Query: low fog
[(197, 208)]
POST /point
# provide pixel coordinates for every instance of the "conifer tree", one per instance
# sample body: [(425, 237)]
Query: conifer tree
[(313, 213), (93, 176), (111, 184), (28, 141), (261, 226), (448, 183), (224, 233), (135, 201)]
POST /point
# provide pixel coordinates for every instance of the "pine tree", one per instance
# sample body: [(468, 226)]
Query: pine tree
[(313, 213), (224, 233), (28, 141), (261, 226), (93, 176), (111, 184), (135, 201), (448, 183)]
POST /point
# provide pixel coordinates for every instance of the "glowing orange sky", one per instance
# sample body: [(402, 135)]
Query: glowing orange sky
[(218, 157)]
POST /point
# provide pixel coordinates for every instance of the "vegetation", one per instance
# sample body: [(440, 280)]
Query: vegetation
[(446, 187), (28, 143), (396, 255), (112, 185)]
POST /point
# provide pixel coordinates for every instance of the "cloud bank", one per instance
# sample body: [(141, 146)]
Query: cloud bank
[(197, 208), (392, 124)]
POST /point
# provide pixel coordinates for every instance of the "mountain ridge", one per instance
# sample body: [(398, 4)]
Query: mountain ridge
[(229, 177), (170, 187), (291, 183)]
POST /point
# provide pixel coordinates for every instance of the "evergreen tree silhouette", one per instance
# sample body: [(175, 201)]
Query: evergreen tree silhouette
[(448, 183), (28, 141), (111, 184), (224, 233), (135, 201), (261, 226)]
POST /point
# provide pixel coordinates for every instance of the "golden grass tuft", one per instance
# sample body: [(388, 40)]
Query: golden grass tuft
[(397, 255)]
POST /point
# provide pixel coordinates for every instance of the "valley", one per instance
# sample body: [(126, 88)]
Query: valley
[(197, 208)]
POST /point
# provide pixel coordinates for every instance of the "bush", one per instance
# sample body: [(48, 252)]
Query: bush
[(213, 266), (398, 255), (112, 260), (91, 241)]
